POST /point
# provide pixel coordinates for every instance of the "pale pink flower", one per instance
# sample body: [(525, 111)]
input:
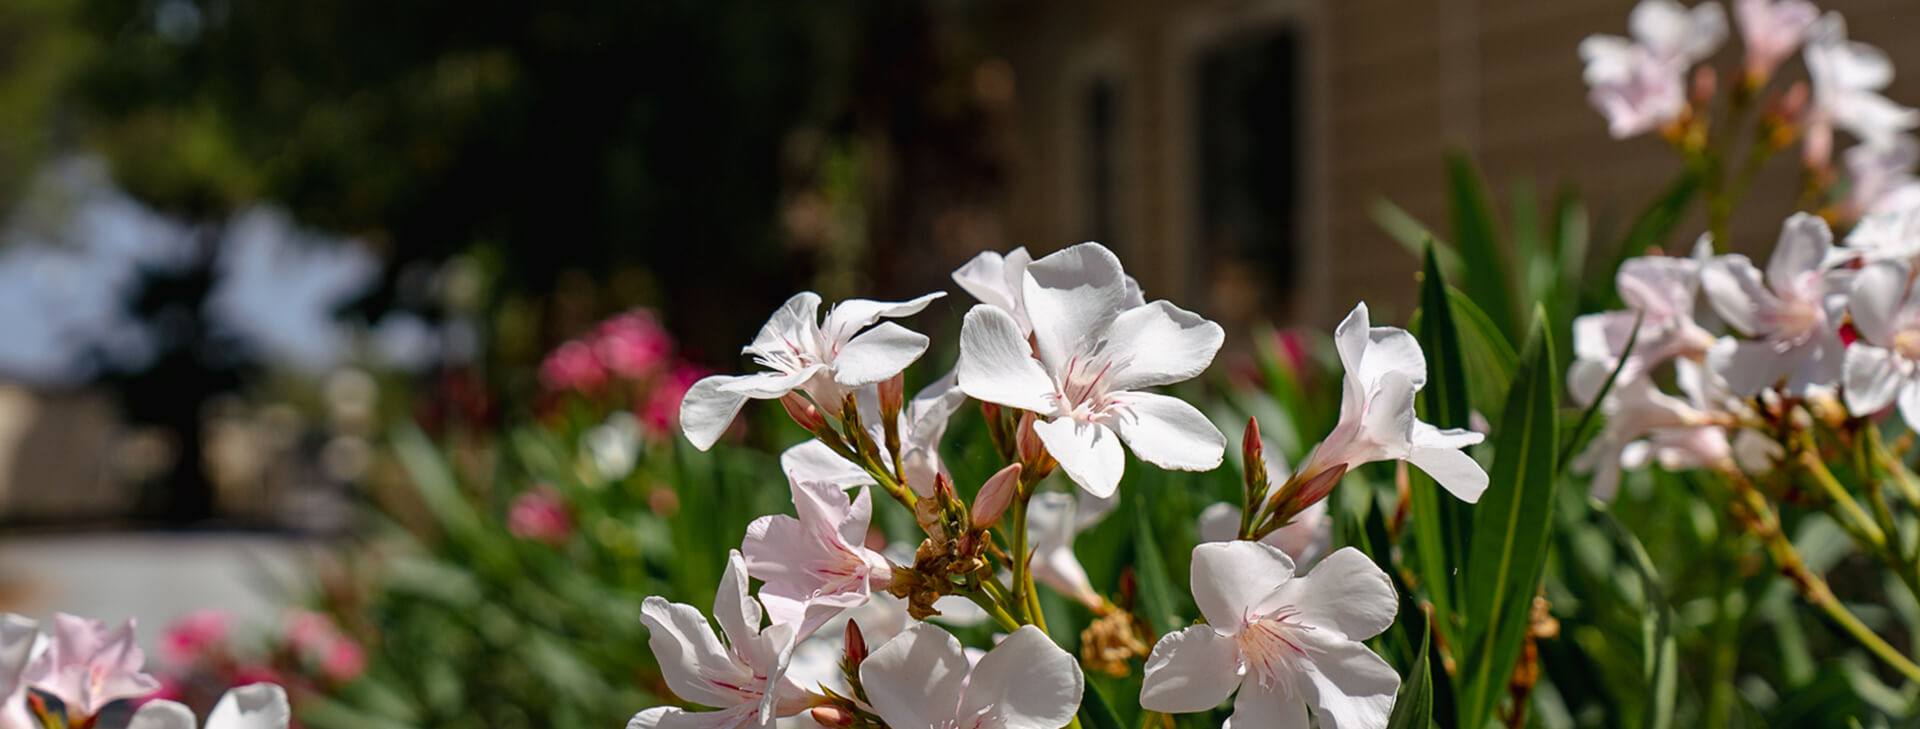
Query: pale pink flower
[(254, 706), (744, 678), (1645, 425), (88, 665), (1772, 30), (1881, 179), (922, 679), (1640, 83), (1790, 313), (1660, 293), (823, 358), (1087, 368), (1848, 77), (316, 638), (1883, 367), (187, 638), (1285, 642), (816, 565), (540, 515), (17, 638)]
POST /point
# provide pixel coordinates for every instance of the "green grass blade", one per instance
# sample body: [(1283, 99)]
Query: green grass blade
[(1512, 522)]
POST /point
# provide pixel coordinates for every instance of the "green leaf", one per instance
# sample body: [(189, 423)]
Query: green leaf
[(1413, 705), (1412, 234), (1660, 650), (1485, 352), (1650, 228), (1440, 523), (1484, 269), (1509, 544), (1095, 712), (1156, 588)]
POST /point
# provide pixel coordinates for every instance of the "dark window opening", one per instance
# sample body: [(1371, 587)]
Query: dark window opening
[(1249, 161)]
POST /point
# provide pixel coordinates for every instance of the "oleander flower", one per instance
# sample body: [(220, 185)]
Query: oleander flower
[(1882, 367), (1304, 539), (17, 638), (922, 424), (1848, 77), (998, 281), (1086, 368), (1640, 83), (1771, 30), (1645, 425), (1660, 293), (1054, 521), (1881, 180), (192, 635), (1285, 642), (744, 678), (1384, 368), (254, 706), (1886, 236), (1790, 313), (823, 358), (922, 679), (816, 565), (88, 665)]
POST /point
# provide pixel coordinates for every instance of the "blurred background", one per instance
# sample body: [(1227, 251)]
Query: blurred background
[(239, 241)]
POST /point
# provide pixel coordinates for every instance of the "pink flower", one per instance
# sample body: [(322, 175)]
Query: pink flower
[(88, 665), (314, 637), (344, 662), (1772, 30), (661, 411), (573, 366), (192, 635), (540, 515), (633, 345)]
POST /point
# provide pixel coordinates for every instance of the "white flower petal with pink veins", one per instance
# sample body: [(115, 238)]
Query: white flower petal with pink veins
[(1384, 368), (1848, 77), (822, 357), (254, 706), (744, 678), (922, 679), (1640, 83), (1882, 368), (1092, 351), (1790, 314), (88, 665), (816, 565), (1285, 643)]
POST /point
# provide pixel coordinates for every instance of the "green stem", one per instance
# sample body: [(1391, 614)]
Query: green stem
[(1862, 524), (993, 608)]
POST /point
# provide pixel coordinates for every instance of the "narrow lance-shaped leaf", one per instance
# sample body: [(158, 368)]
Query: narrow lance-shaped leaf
[(1477, 235), (1657, 639), (1413, 706), (1440, 523), (1512, 522)]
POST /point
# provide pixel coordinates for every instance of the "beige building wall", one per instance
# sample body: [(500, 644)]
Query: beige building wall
[(1390, 86)]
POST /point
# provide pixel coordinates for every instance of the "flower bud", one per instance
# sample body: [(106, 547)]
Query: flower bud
[(856, 644), (1031, 451), (995, 496), (1704, 82), (1254, 462), (893, 396), (803, 412), (833, 716), (1302, 491)]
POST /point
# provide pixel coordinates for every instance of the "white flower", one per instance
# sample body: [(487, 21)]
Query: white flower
[(1644, 424), (1772, 30), (1883, 366), (1791, 314), (998, 281), (17, 639), (1660, 293), (1095, 356), (1640, 83), (818, 564), (1881, 178), (1384, 368), (745, 678), (1304, 539), (922, 680), (254, 706), (1285, 642), (1885, 236), (1847, 79), (823, 358), (923, 422), (816, 661), (1053, 522)]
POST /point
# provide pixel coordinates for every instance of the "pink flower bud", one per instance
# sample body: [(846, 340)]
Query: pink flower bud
[(1027, 443), (803, 412), (856, 644), (995, 496), (1254, 460), (893, 395), (540, 515), (833, 716)]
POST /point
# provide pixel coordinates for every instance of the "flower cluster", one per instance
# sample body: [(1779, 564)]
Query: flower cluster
[(1062, 354), (68, 678), (629, 354)]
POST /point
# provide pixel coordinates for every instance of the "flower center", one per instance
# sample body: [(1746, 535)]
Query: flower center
[(1794, 321), (1273, 649), (1083, 392), (1907, 344)]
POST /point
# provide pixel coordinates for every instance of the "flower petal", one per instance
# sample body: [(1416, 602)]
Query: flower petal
[(1387, 426), (1878, 292), (1910, 404), (159, 714), (1750, 366), (814, 461), (848, 317), (1051, 520), (1167, 432), (877, 354), (997, 366), (733, 609), (1391, 349), (1871, 380), (1437, 452), (1274, 708), (1089, 453), (687, 650), (915, 679), (1733, 288), (1219, 523), (1159, 344), (1348, 685), (1071, 295), (254, 706), (1802, 248), (672, 717), (1027, 681), (766, 385), (1346, 593), (1232, 580), (794, 324), (1189, 671), (707, 409)]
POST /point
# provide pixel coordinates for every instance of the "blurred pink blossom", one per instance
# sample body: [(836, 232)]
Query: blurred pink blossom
[(89, 665), (314, 637), (661, 411), (633, 345), (540, 515), (573, 366), (190, 636)]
